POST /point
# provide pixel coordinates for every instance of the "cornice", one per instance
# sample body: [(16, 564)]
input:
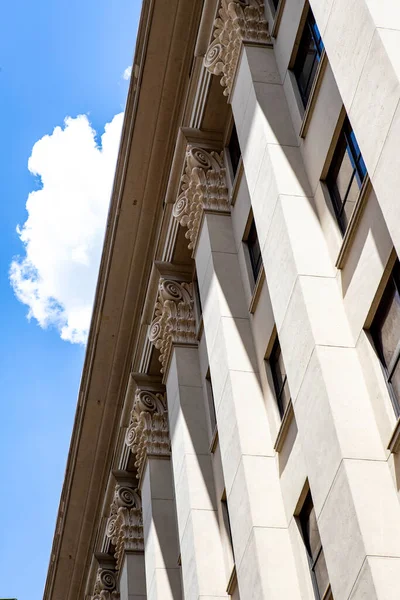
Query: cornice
[(138, 190)]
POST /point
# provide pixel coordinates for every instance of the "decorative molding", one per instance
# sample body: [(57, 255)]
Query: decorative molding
[(106, 585), (238, 21), (203, 187), (125, 523), (174, 321), (148, 432)]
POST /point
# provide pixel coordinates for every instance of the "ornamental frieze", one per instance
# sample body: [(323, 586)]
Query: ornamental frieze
[(174, 321), (148, 432), (203, 187), (238, 21), (125, 523), (106, 585)]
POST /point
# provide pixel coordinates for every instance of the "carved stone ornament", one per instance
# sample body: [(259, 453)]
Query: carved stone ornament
[(238, 21), (148, 432), (106, 585), (174, 321), (125, 523), (203, 187)]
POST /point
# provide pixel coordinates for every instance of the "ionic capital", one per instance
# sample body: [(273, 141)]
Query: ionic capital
[(203, 187), (238, 21), (125, 523), (148, 432), (106, 585), (174, 321)]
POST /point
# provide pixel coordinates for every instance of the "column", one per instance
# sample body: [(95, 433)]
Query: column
[(263, 554), (355, 500), (174, 332), (148, 438), (125, 529)]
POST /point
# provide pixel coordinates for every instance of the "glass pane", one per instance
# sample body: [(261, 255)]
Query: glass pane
[(281, 366), (390, 330), (344, 175), (316, 35), (254, 250), (284, 398), (313, 534), (234, 150), (321, 574), (311, 77), (395, 381), (352, 197), (278, 370), (308, 62)]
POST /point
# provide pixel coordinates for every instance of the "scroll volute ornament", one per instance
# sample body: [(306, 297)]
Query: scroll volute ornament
[(203, 187), (174, 321), (238, 21), (125, 523), (148, 432), (106, 585)]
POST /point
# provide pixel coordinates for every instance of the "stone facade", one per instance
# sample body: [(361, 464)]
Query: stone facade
[(236, 435)]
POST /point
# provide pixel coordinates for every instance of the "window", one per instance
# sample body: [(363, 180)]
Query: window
[(234, 151), (274, 4), (254, 250), (385, 332), (346, 175), (211, 403), (308, 57), (227, 521), (279, 377), (315, 552), (197, 301)]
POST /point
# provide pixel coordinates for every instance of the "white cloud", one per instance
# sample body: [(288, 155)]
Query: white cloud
[(127, 73), (63, 234)]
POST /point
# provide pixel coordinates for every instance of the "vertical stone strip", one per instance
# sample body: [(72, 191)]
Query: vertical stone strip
[(148, 439), (259, 527), (173, 330)]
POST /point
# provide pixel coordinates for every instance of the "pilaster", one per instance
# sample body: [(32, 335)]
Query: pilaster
[(125, 530), (200, 544), (263, 554), (148, 439)]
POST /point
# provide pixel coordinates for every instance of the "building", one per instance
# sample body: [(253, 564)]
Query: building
[(237, 425)]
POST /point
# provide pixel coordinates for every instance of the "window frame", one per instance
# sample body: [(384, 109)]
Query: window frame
[(303, 518), (393, 282), (212, 413), (346, 139), (251, 241), (273, 360), (308, 29)]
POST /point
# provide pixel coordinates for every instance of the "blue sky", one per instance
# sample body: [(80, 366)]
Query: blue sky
[(57, 58)]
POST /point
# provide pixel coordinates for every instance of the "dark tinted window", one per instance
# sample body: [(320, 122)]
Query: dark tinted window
[(254, 250), (308, 57), (279, 377), (346, 175), (315, 552), (385, 331), (211, 403), (234, 150)]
